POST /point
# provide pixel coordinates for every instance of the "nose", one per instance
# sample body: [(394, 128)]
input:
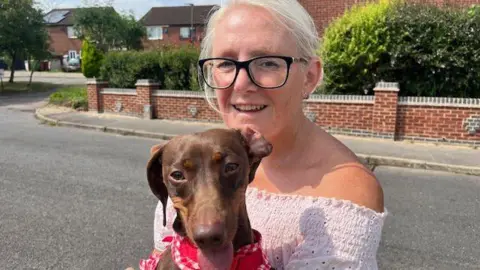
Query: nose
[(243, 81), (209, 236)]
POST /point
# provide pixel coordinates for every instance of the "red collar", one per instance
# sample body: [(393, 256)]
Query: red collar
[(184, 254)]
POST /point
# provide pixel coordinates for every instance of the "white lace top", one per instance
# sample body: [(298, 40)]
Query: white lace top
[(301, 232)]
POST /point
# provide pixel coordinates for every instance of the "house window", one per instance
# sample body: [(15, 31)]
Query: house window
[(71, 32), (154, 32), (72, 54), (185, 32)]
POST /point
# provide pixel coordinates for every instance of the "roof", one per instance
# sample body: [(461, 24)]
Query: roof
[(176, 15), (61, 16)]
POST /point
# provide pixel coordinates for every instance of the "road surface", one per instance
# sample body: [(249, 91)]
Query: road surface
[(77, 199)]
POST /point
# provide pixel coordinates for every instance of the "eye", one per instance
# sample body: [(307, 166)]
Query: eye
[(177, 175), (230, 167)]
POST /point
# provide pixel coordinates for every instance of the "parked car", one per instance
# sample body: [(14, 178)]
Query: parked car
[(72, 65)]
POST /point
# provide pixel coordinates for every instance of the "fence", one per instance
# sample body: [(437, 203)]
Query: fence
[(382, 115)]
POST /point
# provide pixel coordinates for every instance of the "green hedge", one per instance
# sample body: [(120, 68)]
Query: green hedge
[(171, 66), (430, 51), (91, 59)]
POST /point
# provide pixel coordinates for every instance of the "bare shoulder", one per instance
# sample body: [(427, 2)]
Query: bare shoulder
[(354, 182)]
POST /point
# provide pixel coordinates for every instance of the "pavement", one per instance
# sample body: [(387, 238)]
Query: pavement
[(374, 152)]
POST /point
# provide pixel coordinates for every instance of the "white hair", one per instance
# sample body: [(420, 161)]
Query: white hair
[(290, 13)]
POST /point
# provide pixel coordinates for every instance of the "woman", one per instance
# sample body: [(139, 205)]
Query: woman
[(316, 206)]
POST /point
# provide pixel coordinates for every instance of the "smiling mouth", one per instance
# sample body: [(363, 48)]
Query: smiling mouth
[(249, 108)]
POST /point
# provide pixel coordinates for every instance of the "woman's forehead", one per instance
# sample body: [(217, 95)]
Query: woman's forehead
[(251, 29)]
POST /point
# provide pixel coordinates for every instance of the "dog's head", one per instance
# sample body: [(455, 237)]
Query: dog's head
[(206, 175)]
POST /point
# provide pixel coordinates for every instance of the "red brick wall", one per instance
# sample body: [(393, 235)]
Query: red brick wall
[(384, 115), (59, 41), (434, 122), (173, 37), (129, 104), (177, 108), (324, 11), (342, 115)]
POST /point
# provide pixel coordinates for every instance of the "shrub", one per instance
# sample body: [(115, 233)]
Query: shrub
[(353, 46), (434, 51), (91, 60), (170, 66), (430, 51)]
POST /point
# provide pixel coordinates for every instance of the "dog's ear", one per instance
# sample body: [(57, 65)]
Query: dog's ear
[(155, 177), (257, 148)]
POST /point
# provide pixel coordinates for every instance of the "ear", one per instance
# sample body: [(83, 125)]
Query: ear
[(257, 148), (155, 177)]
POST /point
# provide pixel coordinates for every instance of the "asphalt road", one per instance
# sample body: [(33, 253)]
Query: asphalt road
[(77, 199)]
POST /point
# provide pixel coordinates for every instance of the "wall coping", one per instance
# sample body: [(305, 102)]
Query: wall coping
[(146, 82), (119, 91), (387, 87), (440, 101), (358, 99), (95, 81), (178, 93)]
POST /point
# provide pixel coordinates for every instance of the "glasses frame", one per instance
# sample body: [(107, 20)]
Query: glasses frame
[(245, 65)]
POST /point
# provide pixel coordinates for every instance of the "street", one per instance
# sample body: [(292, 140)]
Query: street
[(77, 199)]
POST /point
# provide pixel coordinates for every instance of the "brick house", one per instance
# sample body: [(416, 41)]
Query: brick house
[(175, 25), (63, 42), (324, 11)]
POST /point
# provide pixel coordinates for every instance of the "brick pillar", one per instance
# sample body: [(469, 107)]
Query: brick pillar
[(95, 101), (145, 89), (384, 120)]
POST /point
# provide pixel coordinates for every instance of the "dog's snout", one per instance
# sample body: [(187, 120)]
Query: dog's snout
[(209, 236)]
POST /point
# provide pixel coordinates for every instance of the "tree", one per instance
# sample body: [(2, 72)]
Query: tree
[(107, 29), (91, 60), (22, 31)]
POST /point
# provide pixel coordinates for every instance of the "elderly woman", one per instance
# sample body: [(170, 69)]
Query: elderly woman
[(315, 204)]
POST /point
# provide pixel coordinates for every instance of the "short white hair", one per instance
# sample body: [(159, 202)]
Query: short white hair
[(290, 13)]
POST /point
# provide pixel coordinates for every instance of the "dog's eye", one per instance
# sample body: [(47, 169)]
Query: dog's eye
[(177, 175), (230, 167)]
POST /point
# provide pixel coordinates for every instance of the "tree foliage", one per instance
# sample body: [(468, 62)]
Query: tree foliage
[(107, 29), (429, 50), (91, 60), (22, 32)]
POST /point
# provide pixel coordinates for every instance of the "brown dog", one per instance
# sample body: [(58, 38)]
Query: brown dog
[(206, 176)]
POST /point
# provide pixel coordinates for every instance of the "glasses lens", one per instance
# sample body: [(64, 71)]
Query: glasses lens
[(219, 73), (269, 71)]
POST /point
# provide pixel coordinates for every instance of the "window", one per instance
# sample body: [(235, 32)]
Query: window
[(72, 54), (71, 32), (154, 32), (184, 32)]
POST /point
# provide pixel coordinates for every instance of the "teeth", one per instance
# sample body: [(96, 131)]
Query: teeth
[(249, 107)]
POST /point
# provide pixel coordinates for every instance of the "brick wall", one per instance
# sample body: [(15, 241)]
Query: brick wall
[(383, 115), (324, 11)]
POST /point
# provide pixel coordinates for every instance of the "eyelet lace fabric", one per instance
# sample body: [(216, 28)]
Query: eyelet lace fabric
[(303, 232)]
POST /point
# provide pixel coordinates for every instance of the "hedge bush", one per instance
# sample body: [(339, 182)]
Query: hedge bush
[(430, 51), (169, 65), (353, 46), (91, 60)]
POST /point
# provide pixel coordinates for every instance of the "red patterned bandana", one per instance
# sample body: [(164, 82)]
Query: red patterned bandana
[(184, 254)]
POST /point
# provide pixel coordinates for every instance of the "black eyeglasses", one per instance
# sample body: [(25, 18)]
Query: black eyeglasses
[(265, 71)]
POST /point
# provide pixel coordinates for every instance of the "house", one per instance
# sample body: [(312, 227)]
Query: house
[(325, 11), (64, 45), (175, 25)]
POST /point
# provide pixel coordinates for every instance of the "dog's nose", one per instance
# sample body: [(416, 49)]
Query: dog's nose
[(209, 236)]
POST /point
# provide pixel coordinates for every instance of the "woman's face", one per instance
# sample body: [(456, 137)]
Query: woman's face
[(245, 32)]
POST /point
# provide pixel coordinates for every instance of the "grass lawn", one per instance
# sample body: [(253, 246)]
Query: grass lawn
[(23, 87), (70, 96)]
